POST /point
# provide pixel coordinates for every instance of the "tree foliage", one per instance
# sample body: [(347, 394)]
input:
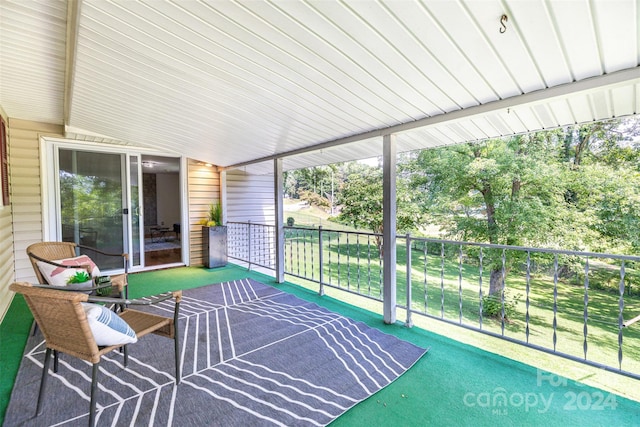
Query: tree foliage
[(360, 198)]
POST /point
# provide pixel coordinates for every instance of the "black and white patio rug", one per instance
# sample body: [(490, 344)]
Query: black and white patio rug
[(250, 355)]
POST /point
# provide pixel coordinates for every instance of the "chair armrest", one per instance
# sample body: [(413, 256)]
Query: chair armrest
[(139, 301), (71, 288), (123, 255)]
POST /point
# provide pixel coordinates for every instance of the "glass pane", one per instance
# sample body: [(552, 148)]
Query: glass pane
[(134, 188), (91, 203)]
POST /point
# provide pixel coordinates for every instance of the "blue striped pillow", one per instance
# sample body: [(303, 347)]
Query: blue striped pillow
[(108, 328)]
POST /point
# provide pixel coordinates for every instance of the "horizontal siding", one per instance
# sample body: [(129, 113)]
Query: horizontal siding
[(21, 222), (7, 265), (250, 198), (6, 259), (26, 191), (203, 188)]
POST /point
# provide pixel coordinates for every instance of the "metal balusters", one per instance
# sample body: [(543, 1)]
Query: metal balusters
[(358, 251), (555, 301), (321, 260), (348, 264), (527, 300), (586, 307), (442, 280), (409, 322), (426, 295), (260, 237), (621, 314), (291, 252), (369, 265), (380, 281), (338, 252), (481, 300), (298, 251), (503, 290), (312, 250), (249, 243), (460, 284), (304, 252), (329, 252)]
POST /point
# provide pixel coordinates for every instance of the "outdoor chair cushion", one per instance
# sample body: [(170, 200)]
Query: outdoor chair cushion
[(107, 327), (58, 276)]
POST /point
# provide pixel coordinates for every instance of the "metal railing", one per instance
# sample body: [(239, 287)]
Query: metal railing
[(569, 303), (252, 243)]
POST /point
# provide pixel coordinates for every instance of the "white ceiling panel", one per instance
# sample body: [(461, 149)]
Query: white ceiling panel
[(576, 29), (561, 111), (241, 82), (32, 59)]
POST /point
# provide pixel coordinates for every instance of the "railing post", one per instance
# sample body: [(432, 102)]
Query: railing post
[(409, 322), (321, 261), (620, 313)]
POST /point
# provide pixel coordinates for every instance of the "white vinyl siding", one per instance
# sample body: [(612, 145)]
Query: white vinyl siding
[(21, 223), (6, 259), (250, 198), (204, 188)]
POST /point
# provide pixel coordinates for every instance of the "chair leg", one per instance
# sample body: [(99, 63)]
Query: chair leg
[(176, 341), (34, 328), (177, 356), (56, 356), (126, 354), (94, 389), (43, 380)]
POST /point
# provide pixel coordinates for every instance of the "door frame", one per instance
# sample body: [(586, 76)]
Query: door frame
[(49, 186)]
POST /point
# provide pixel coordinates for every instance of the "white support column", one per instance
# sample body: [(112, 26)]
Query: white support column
[(278, 193), (389, 227)]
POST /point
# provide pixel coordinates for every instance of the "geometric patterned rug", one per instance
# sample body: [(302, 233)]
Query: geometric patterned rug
[(250, 355)]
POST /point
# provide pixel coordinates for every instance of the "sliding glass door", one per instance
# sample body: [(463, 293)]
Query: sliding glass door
[(117, 202), (93, 201)]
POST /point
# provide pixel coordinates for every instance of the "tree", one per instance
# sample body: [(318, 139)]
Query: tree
[(360, 199), (497, 191)]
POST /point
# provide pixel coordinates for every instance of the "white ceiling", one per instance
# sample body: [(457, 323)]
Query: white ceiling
[(231, 82)]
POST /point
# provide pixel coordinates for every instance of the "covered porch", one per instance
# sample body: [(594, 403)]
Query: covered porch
[(258, 88)]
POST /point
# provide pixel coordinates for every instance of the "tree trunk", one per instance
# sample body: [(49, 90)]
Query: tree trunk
[(496, 284)]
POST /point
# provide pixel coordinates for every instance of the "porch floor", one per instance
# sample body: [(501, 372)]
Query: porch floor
[(453, 384)]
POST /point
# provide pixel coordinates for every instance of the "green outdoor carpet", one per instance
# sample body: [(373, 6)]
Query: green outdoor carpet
[(454, 384)]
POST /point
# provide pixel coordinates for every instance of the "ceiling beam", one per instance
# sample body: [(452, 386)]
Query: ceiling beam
[(73, 26)]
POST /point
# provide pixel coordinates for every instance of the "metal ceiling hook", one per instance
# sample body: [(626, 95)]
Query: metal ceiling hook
[(503, 20)]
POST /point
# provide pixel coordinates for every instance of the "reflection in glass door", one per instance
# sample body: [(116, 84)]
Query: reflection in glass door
[(92, 199), (137, 257)]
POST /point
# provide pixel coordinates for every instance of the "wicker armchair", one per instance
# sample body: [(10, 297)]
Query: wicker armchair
[(63, 322), (49, 251)]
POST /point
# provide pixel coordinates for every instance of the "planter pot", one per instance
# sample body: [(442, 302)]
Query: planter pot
[(87, 284), (214, 246)]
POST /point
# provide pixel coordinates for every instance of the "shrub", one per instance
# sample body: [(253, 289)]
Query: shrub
[(492, 305), (291, 221)]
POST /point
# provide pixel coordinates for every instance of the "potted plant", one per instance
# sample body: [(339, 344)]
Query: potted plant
[(81, 279), (214, 238)]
